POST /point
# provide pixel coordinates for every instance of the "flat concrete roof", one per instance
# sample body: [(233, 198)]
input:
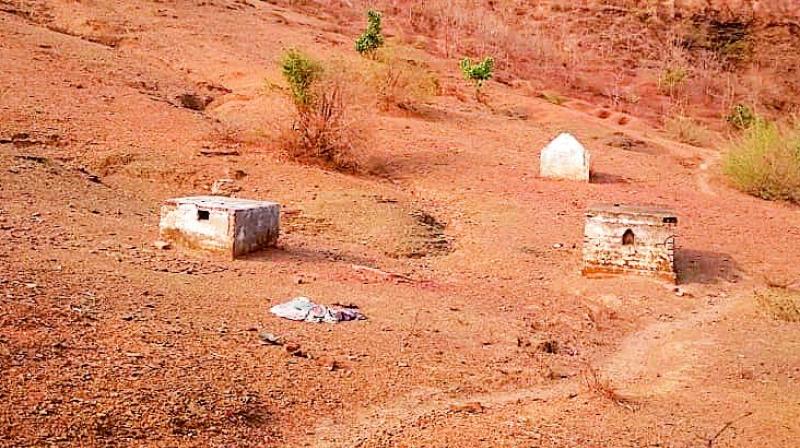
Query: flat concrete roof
[(636, 210), (220, 202)]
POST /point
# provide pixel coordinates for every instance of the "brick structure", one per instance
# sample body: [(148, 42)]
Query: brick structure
[(220, 224), (629, 239)]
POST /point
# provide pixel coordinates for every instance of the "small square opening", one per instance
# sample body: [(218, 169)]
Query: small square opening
[(203, 215)]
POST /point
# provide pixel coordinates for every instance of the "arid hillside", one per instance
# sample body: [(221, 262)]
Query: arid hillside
[(480, 330), (656, 59)]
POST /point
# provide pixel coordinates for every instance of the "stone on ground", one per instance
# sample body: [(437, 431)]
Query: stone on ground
[(565, 158)]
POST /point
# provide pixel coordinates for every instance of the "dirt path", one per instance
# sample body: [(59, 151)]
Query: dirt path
[(653, 361), (661, 357), (703, 174)]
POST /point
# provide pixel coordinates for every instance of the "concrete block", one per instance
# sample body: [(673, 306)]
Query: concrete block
[(629, 239), (565, 158), (229, 226)]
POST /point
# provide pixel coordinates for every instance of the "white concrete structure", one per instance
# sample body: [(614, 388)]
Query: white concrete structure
[(565, 158), (220, 224), (629, 239)]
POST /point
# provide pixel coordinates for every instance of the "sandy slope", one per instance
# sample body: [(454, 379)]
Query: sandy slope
[(105, 340)]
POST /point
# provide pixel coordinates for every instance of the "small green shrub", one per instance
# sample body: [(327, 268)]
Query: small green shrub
[(478, 72), (671, 79), (372, 38), (300, 71), (742, 117), (765, 162), (323, 130)]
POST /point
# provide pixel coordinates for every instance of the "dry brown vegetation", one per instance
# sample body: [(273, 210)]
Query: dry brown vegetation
[(325, 128), (327, 131), (637, 56), (601, 387), (399, 82), (780, 303)]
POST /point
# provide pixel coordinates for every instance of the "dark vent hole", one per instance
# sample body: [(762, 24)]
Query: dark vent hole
[(628, 238), (203, 215)]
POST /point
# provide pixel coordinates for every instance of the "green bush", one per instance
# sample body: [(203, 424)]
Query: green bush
[(671, 79), (742, 117), (372, 38), (477, 72), (322, 131), (300, 71), (765, 162)]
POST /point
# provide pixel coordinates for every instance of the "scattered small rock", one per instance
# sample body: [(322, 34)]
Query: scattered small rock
[(550, 346), (236, 174), (271, 339), (558, 373), (402, 364), (222, 152), (294, 350), (473, 407), (328, 362), (680, 292), (224, 187), (194, 101), (162, 245)]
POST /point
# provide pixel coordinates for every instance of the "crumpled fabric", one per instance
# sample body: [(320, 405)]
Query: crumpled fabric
[(303, 309)]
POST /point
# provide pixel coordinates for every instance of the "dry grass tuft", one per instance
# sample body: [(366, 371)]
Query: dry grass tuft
[(326, 132), (399, 82), (553, 98), (687, 130), (602, 388), (326, 129), (780, 303), (226, 134), (671, 79)]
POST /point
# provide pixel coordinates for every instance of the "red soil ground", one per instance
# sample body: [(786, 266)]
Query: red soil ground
[(491, 338)]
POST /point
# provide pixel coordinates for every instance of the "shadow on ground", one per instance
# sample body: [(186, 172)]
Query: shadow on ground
[(705, 267), (295, 253), (607, 178)]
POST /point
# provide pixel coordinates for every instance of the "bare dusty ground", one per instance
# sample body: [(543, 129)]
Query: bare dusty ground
[(487, 336)]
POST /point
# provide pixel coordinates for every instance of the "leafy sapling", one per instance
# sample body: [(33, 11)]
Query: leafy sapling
[(372, 38), (477, 72), (300, 72)]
